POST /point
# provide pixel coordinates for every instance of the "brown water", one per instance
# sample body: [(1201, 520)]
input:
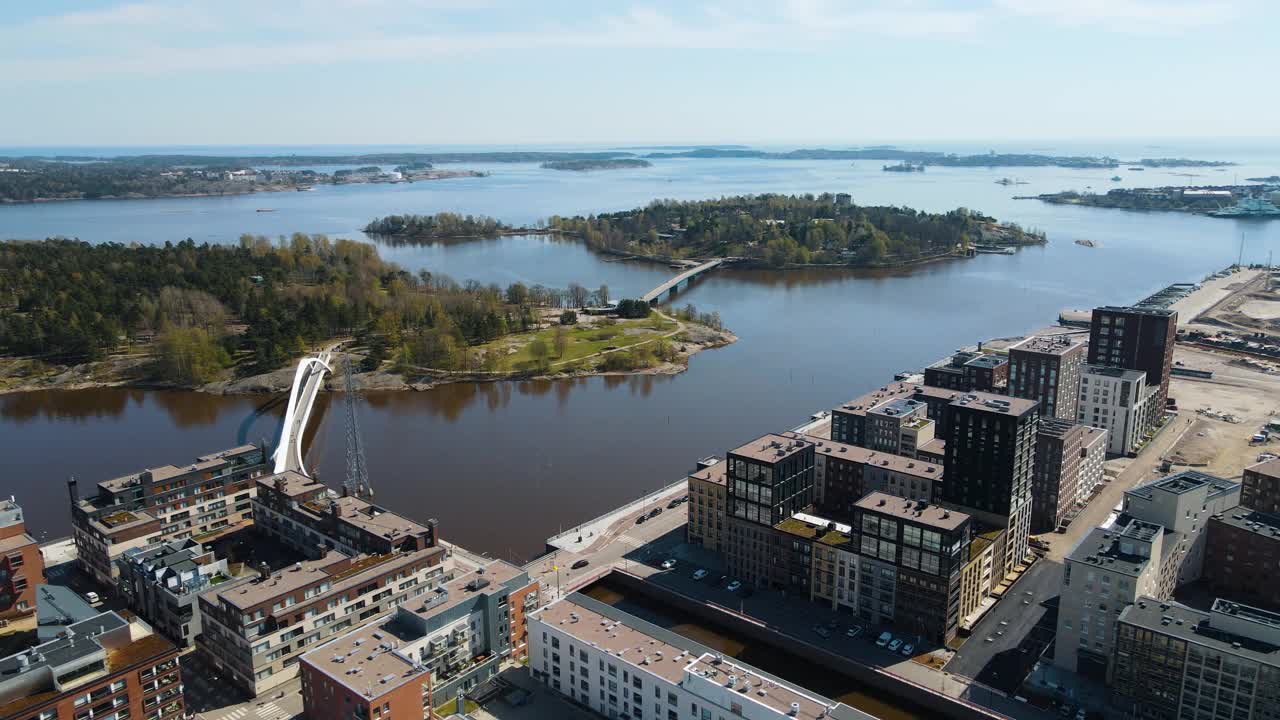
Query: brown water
[(772, 659)]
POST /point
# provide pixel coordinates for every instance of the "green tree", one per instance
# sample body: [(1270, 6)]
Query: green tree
[(561, 341), (568, 317), (190, 356), (539, 351)]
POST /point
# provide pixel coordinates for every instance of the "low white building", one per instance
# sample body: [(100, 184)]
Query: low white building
[(1115, 400), (623, 667)]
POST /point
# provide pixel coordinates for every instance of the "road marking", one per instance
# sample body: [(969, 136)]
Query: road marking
[(630, 541)]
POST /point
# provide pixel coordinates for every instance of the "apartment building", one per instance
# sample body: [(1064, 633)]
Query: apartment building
[(1047, 369), (202, 500), (1260, 487), (1242, 557), (1136, 338), (843, 474), (850, 423), (969, 371), (621, 666), (456, 637), (364, 675), (1182, 503), (309, 518), (990, 458), (768, 480), (707, 505), (1068, 465), (1176, 663), (254, 629), (102, 667), (1116, 400), (894, 425), (161, 584), (1156, 545), (21, 564)]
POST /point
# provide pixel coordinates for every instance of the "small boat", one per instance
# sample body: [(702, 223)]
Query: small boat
[(1087, 243), (1116, 178), (305, 189), (266, 209), (1135, 169)]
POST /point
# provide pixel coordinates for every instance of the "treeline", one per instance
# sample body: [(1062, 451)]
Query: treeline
[(440, 225), (260, 304), (236, 161), (781, 230), (605, 164), (30, 181)]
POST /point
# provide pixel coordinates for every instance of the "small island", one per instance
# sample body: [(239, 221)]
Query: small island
[(772, 231), (225, 319), (601, 164)]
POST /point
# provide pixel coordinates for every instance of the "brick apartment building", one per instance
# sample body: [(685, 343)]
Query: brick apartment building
[(706, 526), (969, 371), (202, 500), (1242, 557), (21, 564), (1260, 487), (1046, 368), (1068, 465), (1136, 338)]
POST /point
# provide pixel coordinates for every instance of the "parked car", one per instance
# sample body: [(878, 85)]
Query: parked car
[(853, 631), (655, 512), (894, 644), (821, 631), (908, 650), (92, 597), (668, 563), (884, 638), (580, 564), (675, 502), (699, 574), (641, 519), (733, 586)]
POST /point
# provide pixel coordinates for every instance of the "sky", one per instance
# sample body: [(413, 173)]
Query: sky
[(530, 72)]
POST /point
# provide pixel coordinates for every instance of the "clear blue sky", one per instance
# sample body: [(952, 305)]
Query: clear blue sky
[(651, 71)]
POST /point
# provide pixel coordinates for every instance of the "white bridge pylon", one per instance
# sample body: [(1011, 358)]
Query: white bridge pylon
[(307, 381)]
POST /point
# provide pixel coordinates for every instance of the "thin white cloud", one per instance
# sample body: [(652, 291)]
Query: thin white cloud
[(1127, 15)]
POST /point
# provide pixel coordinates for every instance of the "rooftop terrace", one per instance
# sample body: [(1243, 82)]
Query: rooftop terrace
[(1047, 345), (913, 511)]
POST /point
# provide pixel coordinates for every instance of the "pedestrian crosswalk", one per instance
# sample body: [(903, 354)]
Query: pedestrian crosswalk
[(267, 711), (630, 541), (271, 711)]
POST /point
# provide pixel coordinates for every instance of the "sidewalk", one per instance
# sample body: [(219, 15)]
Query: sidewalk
[(595, 533)]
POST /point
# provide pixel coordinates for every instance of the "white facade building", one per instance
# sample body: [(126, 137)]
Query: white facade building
[(1116, 401)]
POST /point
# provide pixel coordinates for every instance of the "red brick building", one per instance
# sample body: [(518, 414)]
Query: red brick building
[(1260, 487), (364, 675), (21, 564), (1242, 555), (103, 666)]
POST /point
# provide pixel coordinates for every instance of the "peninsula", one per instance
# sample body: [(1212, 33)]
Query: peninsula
[(1204, 200), (231, 319)]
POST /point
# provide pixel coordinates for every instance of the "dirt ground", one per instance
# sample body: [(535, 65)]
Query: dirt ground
[(1252, 396), (1249, 306)]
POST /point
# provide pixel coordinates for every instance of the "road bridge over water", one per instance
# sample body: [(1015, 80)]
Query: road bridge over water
[(653, 296)]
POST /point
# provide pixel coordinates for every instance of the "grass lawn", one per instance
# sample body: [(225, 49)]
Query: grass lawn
[(584, 340), (446, 709)]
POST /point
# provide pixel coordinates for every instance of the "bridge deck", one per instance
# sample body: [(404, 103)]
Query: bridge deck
[(665, 287)]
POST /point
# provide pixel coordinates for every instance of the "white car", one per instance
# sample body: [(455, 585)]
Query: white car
[(908, 650), (668, 564), (92, 597), (894, 645), (699, 574), (733, 586), (853, 631), (884, 638)]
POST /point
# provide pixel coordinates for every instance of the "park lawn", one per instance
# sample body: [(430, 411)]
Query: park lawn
[(584, 340)]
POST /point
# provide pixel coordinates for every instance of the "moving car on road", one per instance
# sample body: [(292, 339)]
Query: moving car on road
[(699, 574), (733, 586), (580, 564)]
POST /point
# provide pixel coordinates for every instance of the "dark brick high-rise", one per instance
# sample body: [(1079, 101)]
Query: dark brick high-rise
[(1136, 338)]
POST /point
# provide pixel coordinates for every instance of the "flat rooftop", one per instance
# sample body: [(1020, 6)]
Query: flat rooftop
[(1136, 310), (165, 472), (366, 661), (1114, 372), (991, 402), (377, 520), (714, 474), (618, 638), (1140, 530), (1101, 548), (986, 360), (342, 575), (1196, 627), (1181, 482), (1057, 427), (912, 511), (867, 456), (1269, 468), (771, 448), (898, 407), (463, 588), (1249, 520), (1048, 345), (863, 403)]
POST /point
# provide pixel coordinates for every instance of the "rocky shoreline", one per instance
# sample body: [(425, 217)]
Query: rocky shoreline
[(24, 375)]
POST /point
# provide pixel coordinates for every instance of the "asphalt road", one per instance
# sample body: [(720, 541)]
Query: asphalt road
[(1020, 627)]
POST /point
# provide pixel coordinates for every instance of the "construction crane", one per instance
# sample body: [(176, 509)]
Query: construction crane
[(357, 481)]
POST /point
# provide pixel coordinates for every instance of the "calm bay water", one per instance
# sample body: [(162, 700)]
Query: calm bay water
[(505, 465)]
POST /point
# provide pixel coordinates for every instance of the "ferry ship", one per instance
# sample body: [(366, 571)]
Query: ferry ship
[(1248, 207)]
